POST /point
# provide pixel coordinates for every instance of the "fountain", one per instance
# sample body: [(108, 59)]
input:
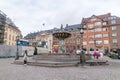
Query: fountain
[(55, 60), (61, 35)]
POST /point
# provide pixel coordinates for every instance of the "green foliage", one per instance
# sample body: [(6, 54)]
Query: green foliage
[(113, 55)]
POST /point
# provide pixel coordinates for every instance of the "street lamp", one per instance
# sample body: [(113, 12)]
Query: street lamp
[(17, 53), (82, 28)]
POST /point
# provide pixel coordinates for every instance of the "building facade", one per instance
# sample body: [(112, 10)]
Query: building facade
[(10, 34), (102, 32), (8, 30), (45, 40), (2, 26)]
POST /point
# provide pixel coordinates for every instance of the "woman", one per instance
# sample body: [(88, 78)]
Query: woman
[(25, 58)]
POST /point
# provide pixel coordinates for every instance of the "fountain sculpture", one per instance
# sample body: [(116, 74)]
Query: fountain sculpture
[(61, 35)]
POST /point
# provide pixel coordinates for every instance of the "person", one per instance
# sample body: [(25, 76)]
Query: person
[(25, 58), (82, 58), (101, 55), (96, 54), (35, 51)]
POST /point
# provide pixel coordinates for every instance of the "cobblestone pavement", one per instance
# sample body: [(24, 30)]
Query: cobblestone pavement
[(10, 71)]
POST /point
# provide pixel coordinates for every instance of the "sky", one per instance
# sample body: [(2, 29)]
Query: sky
[(30, 15)]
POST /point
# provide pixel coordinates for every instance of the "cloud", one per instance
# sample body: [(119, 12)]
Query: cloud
[(29, 15)]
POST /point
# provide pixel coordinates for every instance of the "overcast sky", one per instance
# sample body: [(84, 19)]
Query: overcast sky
[(30, 15)]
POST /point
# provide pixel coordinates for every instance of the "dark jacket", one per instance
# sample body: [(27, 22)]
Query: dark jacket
[(35, 51)]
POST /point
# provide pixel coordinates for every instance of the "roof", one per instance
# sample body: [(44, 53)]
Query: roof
[(7, 20), (31, 35), (72, 27), (98, 16)]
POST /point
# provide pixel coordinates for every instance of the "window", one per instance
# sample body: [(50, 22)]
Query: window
[(84, 36), (114, 34), (104, 23), (105, 35), (97, 23), (90, 30), (5, 35), (104, 29), (92, 36), (91, 49), (84, 43), (78, 47), (112, 17), (98, 36), (90, 26), (114, 27), (114, 40), (98, 42), (98, 29), (106, 41), (78, 40), (9, 37), (84, 26), (91, 42), (113, 22)]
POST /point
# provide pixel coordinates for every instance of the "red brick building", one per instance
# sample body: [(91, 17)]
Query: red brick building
[(102, 32)]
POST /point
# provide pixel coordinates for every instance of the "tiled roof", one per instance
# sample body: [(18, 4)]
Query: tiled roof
[(31, 35), (98, 16), (67, 28), (7, 20), (72, 27)]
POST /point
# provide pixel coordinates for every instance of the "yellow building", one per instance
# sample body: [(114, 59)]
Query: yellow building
[(8, 30), (10, 34)]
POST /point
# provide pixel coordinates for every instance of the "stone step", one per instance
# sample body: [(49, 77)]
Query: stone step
[(56, 57), (48, 63)]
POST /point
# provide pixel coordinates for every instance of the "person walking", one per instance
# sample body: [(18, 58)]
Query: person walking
[(35, 51), (25, 57)]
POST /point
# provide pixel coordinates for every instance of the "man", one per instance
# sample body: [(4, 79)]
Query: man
[(82, 58), (35, 51)]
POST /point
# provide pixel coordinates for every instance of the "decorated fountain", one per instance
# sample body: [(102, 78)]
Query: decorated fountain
[(61, 36), (62, 59)]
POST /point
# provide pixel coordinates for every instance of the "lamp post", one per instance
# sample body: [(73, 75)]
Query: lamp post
[(17, 53), (82, 28)]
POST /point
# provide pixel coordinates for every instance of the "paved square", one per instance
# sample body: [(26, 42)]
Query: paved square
[(10, 71)]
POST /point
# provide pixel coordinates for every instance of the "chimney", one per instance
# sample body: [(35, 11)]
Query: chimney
[(66, 25)]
